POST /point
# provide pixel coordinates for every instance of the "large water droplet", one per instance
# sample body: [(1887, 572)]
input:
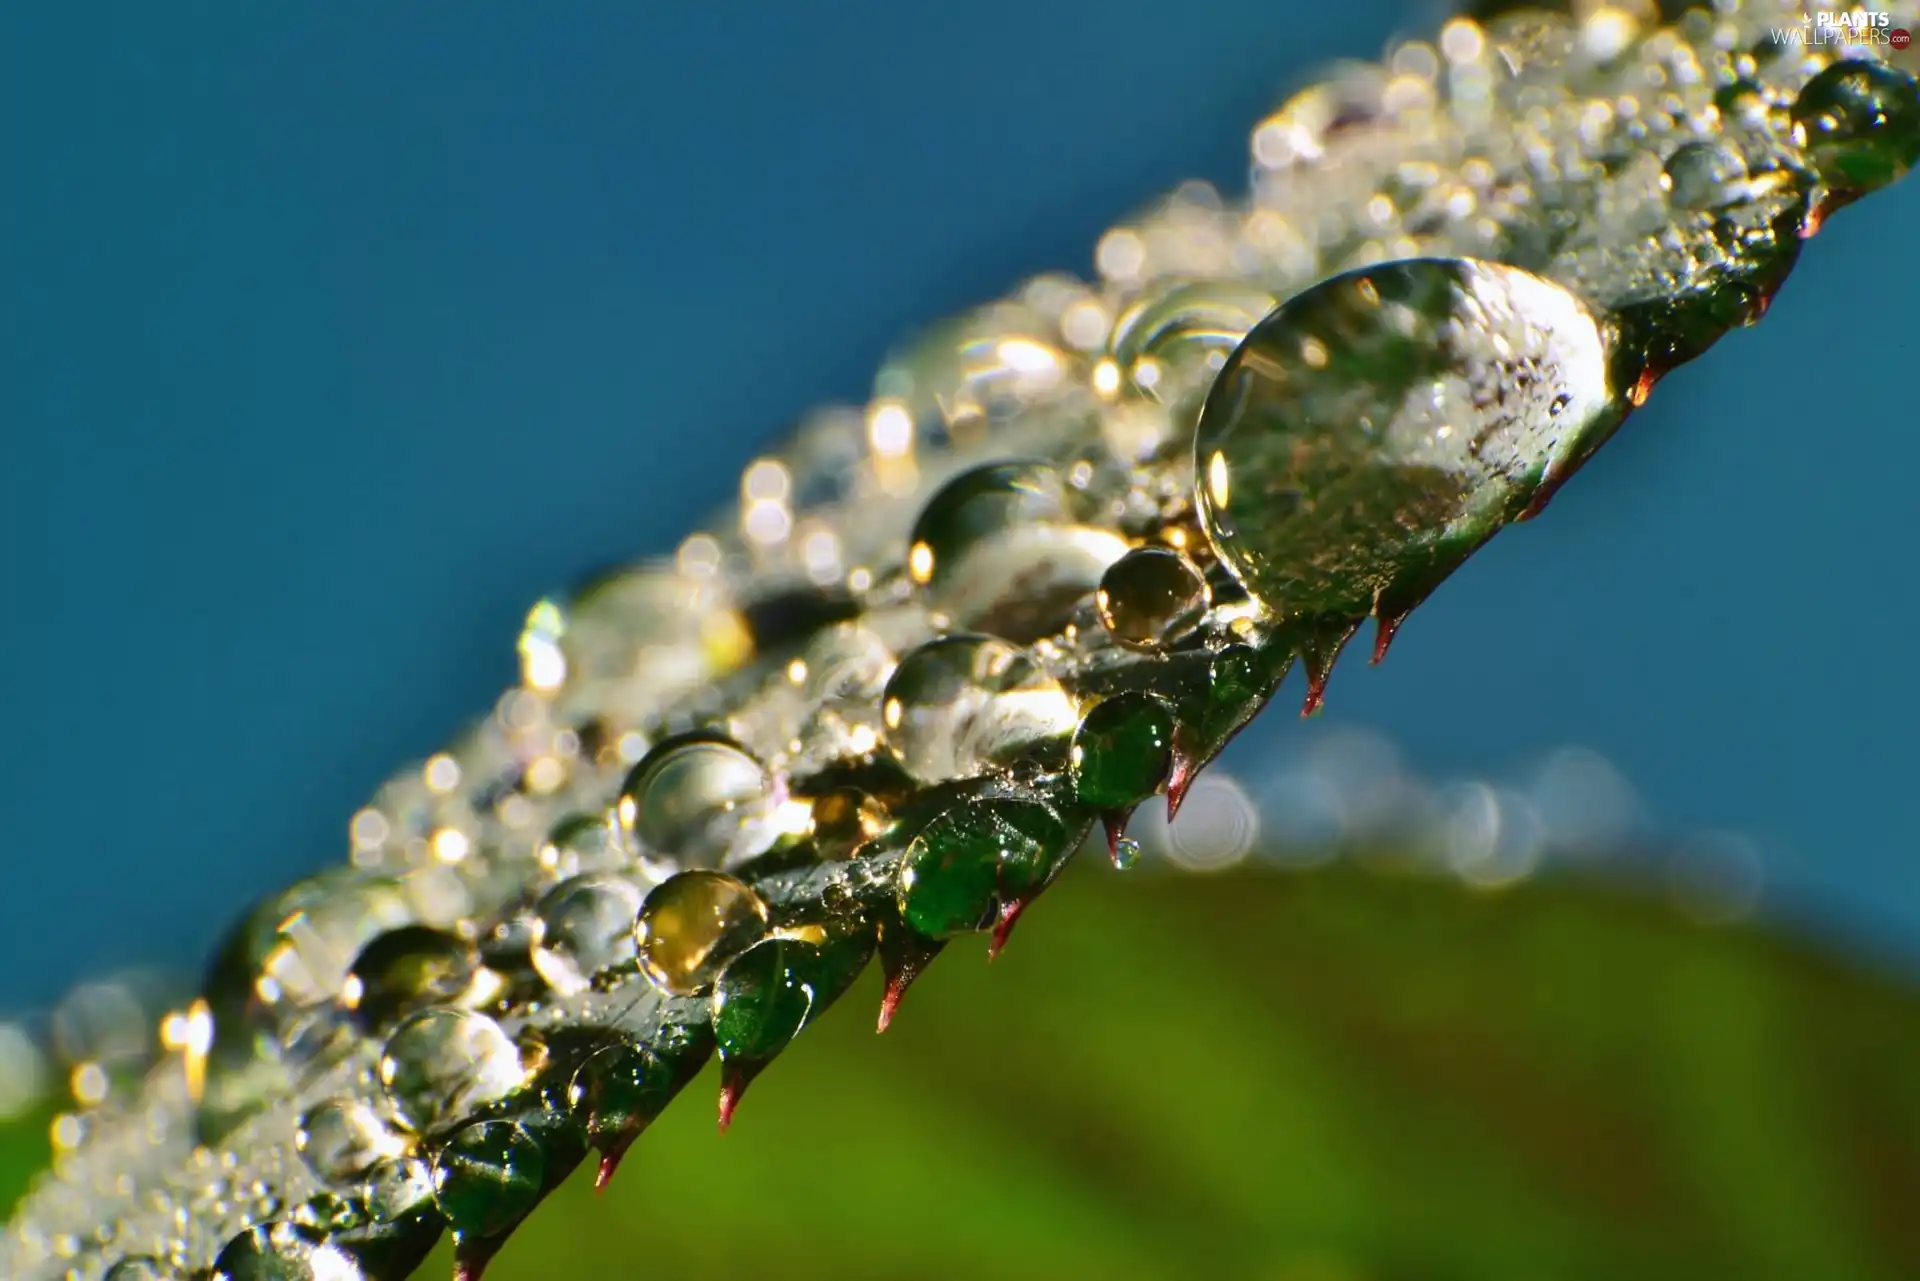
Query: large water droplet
[(140, 1267), (405, 970), (691, 925), (487, 1177), (440, 1065), (282, 1252), (1705, 175), (695, 802), (959, 705), (396, 1189), (1860, 121), (586, 925), (997, 550), (343, 1138), (972, 860), (1122, 750), (1378, 427), (1152, 598)]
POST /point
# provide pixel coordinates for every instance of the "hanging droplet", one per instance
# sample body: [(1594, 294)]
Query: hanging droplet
[(1122, 750), (585, 926), (1126, 852), (397, 1189), (974, 860), (487, 1177), (281, 1252), (695, 802), (1705, 175), (440, 1065), (578, 844), (997, 550), (616, 1091), (691, 925), (1151, 598), (959, 705), (343, 1138), (1378, 427), (1859, 120), (405, 970), (844, 820)]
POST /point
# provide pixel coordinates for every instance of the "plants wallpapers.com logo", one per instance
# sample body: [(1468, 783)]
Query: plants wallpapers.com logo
[(1844, 27)]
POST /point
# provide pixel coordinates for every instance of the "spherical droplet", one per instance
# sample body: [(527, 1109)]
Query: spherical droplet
[(997, 550), (695, 802), (282, 1252), (396, 1188), (440, 1065), (691, 925), (1126, 852), (762, 999), (1380, 425), (343, 1138), (581, 843), (1152, 598), (1122, 750), (1860, 121), (618, 1089), (405, 970), (1173, 339), (487, 1177), (1705, 175), (974, 857), (586, 925), (959, 705), (844, 819), (140, 1267)]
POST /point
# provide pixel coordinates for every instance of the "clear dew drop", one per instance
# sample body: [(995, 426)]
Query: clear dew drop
[(1172, 340), (327, 922), (397, 1188), (1151, 598), (960, 705), (405, 970), (487, 1177), (342, 1139), (1860, 122), (844, 819), (140, 1267), (440, 1065), (1126, 853), (282, 1252), (586, 925), (1705, 175), (997, 550), (695, 802), (691, 925), (1379, 426), (581, 843)]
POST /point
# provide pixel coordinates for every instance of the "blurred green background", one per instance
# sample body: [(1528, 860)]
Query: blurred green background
[(1353, 1074)]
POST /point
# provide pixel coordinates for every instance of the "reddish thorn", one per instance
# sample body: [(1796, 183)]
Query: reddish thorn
[(471, 1269), (1179, 779), (1385, 628), (1316, 692), (890, 999), (1115, 821), (610, 1160), (1009, 915), (731, 1088)]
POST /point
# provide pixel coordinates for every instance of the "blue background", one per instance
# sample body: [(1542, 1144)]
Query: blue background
[(333, 333)]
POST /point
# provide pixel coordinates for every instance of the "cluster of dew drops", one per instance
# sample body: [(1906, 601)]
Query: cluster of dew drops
[(1040, 577)]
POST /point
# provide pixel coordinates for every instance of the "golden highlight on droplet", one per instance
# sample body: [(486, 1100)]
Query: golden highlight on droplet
[(1217, 487), (920, 564), (1106, 379), (190, 1034)]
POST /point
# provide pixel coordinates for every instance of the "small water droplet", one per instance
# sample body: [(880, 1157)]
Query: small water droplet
[(343, 1138), (844, 819), (140, 1267), (405, 970), (691, 925), (974, 859), (581, 843), (395, 1189), (282, 1252), (1182, 331), (1705, 175), (1326, 485), (959, 705), (997, 550), (586, 925), (1122, 750), (1152, 598), (487, 1177), (696, 801), (440, 1065), (1126, 852), (1860, 122)]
